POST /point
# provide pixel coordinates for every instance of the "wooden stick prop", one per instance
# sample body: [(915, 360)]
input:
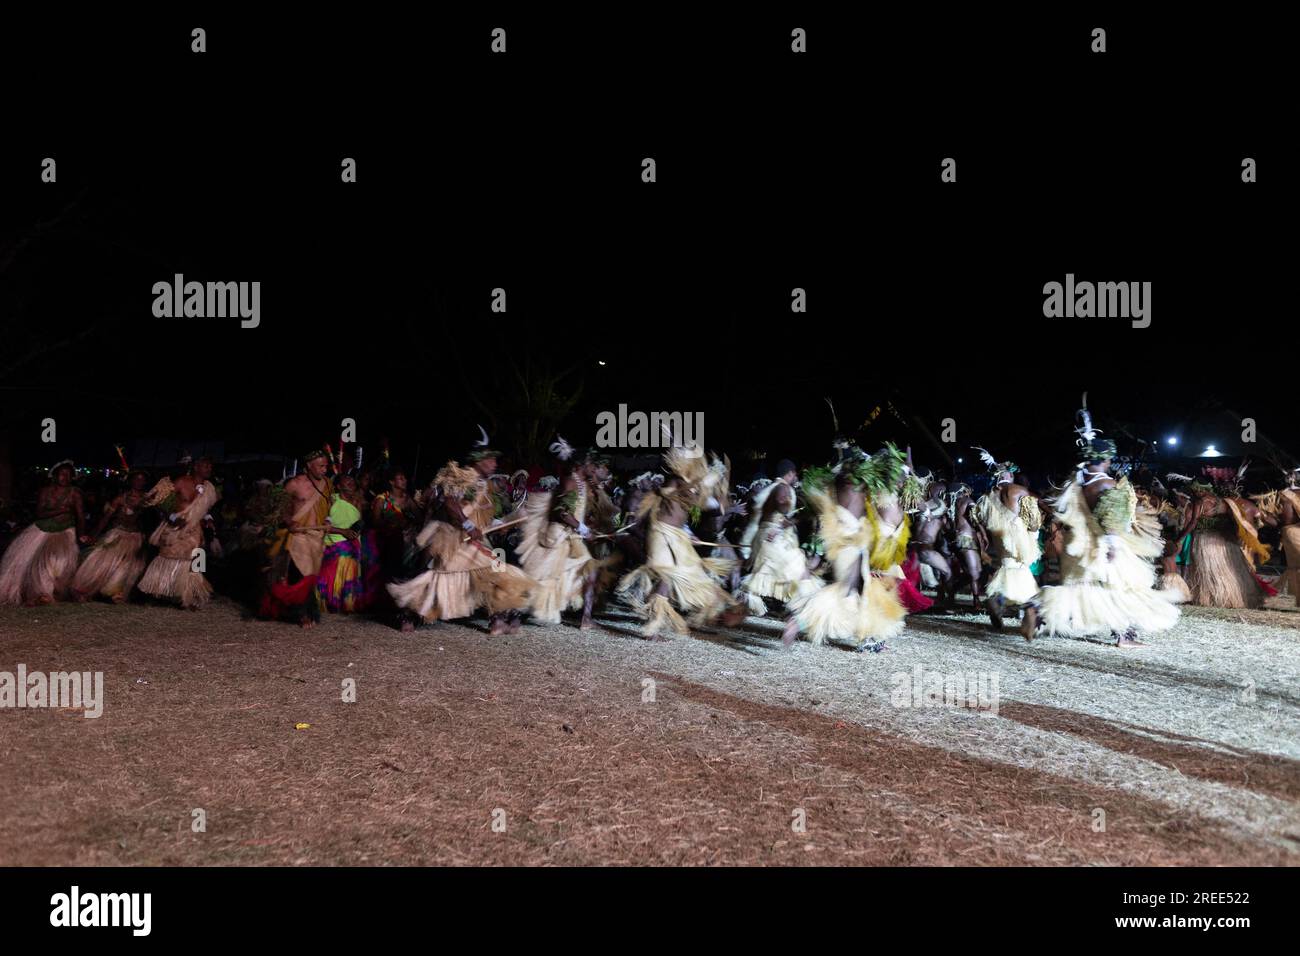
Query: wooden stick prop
[(497, 527), (614, 534)]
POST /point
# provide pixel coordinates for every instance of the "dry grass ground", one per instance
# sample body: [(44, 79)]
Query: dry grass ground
[(1189, 747)]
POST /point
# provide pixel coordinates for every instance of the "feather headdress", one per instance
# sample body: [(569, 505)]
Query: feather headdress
[(1094, 449), (480, 450), (996, 467), (1085, 431), (688, 463)]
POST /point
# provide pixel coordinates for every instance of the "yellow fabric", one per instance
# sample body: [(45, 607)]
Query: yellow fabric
[(886, 550), (1251, 546), (342, 514)]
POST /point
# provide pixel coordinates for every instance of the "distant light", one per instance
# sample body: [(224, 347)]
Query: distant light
[(1211, 452), (600, 361), (1171, 440), (960, 460)]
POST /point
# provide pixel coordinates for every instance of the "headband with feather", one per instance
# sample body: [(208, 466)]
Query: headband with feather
[(996, 467), (1094, 448), (480, 450)]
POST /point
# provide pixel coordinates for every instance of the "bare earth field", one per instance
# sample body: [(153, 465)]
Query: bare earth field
[(601, 748)]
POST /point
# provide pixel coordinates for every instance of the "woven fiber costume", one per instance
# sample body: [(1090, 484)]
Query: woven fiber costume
[(1015, 534), (554, 553), (39, 564), (675, 580), (116, 562), (171, 574), (1107, 569), (860, 604), (778, 566), (462, 575)]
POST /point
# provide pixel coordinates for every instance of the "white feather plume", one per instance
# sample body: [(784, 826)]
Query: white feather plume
[(985, 457), (484, 442), (1086, 432), (561, 449)]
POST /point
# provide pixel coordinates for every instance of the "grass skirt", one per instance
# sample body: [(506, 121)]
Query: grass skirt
[(554, 556), (1176, 587), (461, 578), (779, 569), (1291, 545), (839, 615), (38, 564), (1098, 596), (1219, 575), (174, 579), (113, 566), (692, 588)]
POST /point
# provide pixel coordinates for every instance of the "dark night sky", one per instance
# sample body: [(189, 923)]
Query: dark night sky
[(774, 172)]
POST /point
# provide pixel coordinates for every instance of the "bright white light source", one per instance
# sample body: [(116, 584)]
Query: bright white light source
[(1211, 452), (1171, 440)]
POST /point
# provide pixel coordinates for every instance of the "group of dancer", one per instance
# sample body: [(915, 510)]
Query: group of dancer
[(842, 551)]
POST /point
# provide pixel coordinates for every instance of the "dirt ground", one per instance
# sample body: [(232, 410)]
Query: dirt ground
[(555, 746)]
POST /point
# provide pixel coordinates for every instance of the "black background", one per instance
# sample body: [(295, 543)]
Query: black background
[(523, 171)]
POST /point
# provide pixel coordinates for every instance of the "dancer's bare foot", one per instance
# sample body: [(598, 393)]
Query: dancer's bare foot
[(658, 638), (1029, 622), (118, 599), (499, 627), (995, 613), (408, 627), (1128, 640), (790, 634), (43, 601), (734, 617), (306, 624), (586, 624)]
